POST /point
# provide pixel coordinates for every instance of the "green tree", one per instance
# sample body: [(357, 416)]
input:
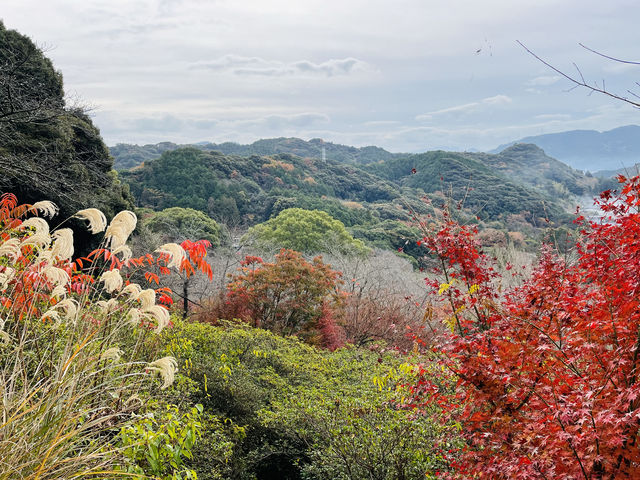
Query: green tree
[(308, 231), (48, 150), (184, 223)]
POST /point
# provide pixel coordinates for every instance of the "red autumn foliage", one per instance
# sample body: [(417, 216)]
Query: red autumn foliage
[(548, 373), (289, 296)]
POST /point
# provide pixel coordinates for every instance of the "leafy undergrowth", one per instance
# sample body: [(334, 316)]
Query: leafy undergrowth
[(295, 411)]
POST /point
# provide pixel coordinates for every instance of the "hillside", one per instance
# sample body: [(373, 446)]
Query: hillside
[(530, 165), (487, 192), (128, 156), (589, 149), (370, 200)]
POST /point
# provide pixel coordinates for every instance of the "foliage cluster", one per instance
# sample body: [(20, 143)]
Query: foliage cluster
[(308, 413), (307, 231), (547, 372)]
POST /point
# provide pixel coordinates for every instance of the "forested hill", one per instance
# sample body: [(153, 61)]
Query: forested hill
[(530, 165), (472, 183), (247, 190), (128, 156)]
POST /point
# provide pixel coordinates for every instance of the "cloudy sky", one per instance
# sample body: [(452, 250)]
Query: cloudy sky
[(407, 75)]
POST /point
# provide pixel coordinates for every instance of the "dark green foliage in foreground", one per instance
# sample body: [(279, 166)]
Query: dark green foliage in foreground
[(49, 151), (304, 412)]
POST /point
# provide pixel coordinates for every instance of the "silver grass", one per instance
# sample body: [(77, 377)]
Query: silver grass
[(112, 280), (176, 254), (133, 290), (51, 314), (120, 228), (70, 308), (134, 316), (147, 298), (160, 315), (41, 236), (166, 367), (56, 275), (46, 207), (6, 277), (97, 220), (113, 353), (59, 292), (62, 244), (10, 249), (125, 251), (107, 306)]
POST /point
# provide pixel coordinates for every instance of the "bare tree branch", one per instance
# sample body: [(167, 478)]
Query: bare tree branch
[(580, 80), (619, 60)]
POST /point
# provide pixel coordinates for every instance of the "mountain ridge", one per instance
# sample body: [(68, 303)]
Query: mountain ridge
[(589, 149)]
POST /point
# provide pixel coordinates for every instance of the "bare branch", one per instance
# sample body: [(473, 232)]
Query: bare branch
[(607, 56), (581, 82)]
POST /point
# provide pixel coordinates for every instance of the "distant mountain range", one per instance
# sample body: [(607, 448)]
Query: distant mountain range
[(589, 149), (128, 156)]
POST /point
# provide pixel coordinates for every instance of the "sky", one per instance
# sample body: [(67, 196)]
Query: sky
[(405, 75)]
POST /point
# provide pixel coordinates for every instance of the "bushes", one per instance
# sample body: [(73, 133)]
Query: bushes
[(308, 413)]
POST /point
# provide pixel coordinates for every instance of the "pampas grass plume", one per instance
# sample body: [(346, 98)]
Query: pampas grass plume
[(166, 367), (120, 228), (160, 315), (63, 244), (112, 280), (176, 254), (48, 208), (147, 298), (10, 249), (113, 353), (97, 220), (56, 275)]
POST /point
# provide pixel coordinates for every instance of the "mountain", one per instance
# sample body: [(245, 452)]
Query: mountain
[(530, 165), (128, 156), (589, 149), (376, 201), (469, 182)]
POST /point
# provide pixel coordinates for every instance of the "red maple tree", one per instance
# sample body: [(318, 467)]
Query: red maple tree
[(547, 373)]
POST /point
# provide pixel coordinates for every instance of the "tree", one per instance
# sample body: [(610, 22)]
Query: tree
[(308, 231), (48, 150), (288, 296), (548, 383), (179, 224)]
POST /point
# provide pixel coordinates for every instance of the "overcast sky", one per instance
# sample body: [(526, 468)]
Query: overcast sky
[(407, 75)]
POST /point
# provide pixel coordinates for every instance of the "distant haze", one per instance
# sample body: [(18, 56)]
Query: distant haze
[(407, 76), (589, 149)]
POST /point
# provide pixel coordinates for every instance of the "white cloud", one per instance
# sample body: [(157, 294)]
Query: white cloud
[(240, 65), (496, 100), (542, 81), (456, 109)]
